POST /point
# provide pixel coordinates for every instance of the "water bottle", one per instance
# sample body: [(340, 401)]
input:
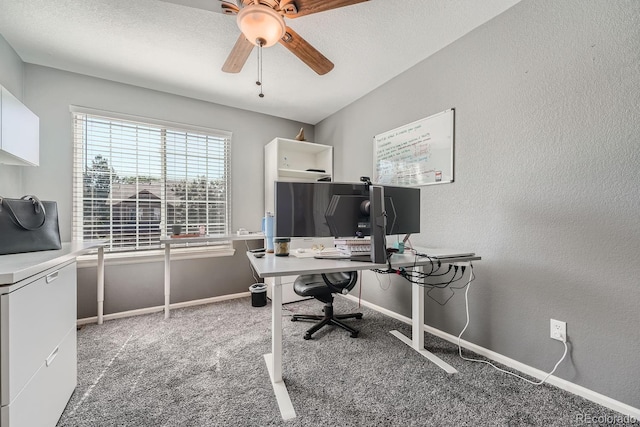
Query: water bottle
[(267, 229)]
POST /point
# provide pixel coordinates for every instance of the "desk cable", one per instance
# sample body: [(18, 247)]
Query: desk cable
[(466, 303), (412, 275)]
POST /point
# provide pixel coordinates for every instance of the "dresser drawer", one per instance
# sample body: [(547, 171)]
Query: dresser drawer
[(35, 318), (43, 399)]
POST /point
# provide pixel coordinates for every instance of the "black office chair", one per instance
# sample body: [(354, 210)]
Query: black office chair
[(322, 287)]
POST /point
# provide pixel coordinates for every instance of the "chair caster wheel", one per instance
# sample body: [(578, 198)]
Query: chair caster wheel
[(307, 336), (359, 316), (354, 335), (293, 319)]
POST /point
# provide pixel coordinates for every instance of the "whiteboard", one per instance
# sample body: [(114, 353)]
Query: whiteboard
[(419, 153)]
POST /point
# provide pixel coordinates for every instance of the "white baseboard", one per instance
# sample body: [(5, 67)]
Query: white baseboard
[(148, 310), (578, 390)]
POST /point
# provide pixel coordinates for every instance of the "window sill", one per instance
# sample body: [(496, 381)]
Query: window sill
[(156, 255)]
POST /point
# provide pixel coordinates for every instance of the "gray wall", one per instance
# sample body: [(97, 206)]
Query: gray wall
[(12, 78), (134, 286), (547, 180), (49, 94)]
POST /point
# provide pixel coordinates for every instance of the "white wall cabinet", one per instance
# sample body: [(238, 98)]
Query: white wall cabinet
[(19, 132), (292, 160)]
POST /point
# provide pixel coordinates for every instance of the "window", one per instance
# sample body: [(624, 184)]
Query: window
[(135, 178)]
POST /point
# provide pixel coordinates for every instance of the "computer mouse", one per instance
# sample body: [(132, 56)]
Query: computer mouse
[(300, 251)]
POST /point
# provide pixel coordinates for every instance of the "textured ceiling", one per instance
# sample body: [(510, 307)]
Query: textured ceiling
[(171, 47)]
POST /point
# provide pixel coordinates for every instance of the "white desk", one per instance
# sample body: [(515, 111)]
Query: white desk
[(276, 267), (167, 241), (19, 266), (16, 267)]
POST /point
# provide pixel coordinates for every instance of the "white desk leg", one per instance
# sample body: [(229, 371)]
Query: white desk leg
[(167, 279), (274, 360), (417, 329), (100, 284), (417, 316), (276, 330)]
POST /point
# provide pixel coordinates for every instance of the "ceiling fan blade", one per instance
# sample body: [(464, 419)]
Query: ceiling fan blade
[(238, 56), (307, 7), (229, 8), (307, 53)]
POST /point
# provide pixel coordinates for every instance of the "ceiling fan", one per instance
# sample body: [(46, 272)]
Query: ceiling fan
[(262, 24)]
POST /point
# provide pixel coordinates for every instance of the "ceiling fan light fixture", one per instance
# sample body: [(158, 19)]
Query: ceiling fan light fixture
[(261, 25)]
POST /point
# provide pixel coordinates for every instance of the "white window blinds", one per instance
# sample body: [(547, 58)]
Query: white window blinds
[(134, 180)]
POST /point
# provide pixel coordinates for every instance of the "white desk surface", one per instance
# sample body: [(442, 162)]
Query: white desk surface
[(168, 240), (16, 267), (273, 266), (278, 266)]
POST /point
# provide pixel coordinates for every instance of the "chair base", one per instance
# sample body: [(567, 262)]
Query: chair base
[(328, 319)]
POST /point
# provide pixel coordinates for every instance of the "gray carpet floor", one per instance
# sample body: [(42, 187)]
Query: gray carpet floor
[(204, 367)]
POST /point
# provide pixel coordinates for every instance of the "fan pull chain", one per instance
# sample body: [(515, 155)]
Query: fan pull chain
[(259, 81)]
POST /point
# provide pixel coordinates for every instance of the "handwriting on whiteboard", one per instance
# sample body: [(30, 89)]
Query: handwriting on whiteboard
[(419, 153)]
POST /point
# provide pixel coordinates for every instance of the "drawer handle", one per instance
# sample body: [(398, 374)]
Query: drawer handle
[(53, 276), (52, 356)]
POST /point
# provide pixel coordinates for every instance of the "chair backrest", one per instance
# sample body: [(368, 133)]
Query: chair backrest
[(317, 285), (341, 282)]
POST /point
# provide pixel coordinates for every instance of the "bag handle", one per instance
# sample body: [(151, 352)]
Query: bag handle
[(38, 208)]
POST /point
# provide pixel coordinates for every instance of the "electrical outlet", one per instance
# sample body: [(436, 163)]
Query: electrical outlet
[(558, 330)]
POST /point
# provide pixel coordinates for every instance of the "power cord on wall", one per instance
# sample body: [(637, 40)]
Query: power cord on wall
[(466, 303)]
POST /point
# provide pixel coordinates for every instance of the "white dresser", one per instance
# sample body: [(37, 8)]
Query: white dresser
[(38, 370)]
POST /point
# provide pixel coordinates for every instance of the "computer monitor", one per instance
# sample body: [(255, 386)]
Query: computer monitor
[(330, 209)]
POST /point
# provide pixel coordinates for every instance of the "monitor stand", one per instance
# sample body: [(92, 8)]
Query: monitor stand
[(378, 221)]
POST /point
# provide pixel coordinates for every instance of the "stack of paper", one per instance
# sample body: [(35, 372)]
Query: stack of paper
[(353, 246)]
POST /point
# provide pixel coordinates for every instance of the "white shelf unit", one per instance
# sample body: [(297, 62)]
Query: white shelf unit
[(303, 175), (292, 160)]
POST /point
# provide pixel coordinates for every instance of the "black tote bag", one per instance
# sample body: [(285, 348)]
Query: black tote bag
[(28, 225)]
